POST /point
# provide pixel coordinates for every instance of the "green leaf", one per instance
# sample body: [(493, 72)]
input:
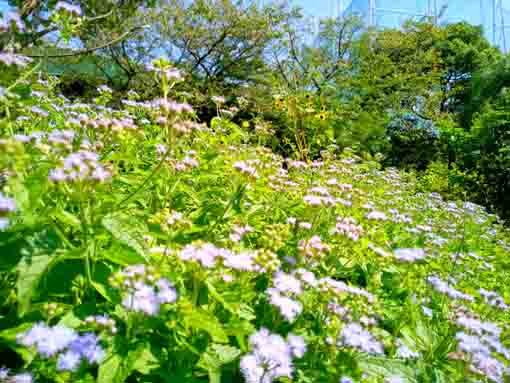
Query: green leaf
[(123, 255), (142, 359), (128, 230), (70, 320), (111, 370), (30, 271), (201, 320), (215, 357), (9, 338), (67, 218)]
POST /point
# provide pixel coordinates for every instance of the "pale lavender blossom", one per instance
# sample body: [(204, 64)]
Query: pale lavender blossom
[(7, 206), (405, 352), (24, 377), (286, 283), (494, 299), (445, 288), (9, 58), (289, 308), (348, 227), (270, 358), (69, 8), (409, 255), (313, 247), (79, 167), (11, 18), (48, 340), (297, 345), (353, 335), (377, 216), (245, 168), (68, 361), (4, 373), (238, 232), (218, 99)]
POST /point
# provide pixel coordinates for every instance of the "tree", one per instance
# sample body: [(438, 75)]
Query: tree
[(218, 41)]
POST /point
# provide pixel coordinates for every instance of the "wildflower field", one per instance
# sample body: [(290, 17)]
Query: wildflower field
[(140, 243)]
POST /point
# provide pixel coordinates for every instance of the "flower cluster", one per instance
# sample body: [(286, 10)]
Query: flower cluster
[(7, 377), (319, 200), (71, 347), (339, 287), (81, 166), (10, 19), (347, 226), (9, 58), (145, 291), (170, 74), (490, 297), (7, 206), (443, 287), (271, 357), (238, 232), (354, 335), (285, 286), (377, 216), (409, 255), (71, 9), (209, 256), (188, 163), (169, 106), (404, 352), (313, 247), (169, 219), (481, 342), (246, 168), (102, 322)]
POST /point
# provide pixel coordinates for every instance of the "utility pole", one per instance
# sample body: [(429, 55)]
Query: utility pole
[(435, 13), (494, 22), (371, 13)]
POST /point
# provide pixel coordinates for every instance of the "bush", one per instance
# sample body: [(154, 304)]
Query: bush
[(414, 141)]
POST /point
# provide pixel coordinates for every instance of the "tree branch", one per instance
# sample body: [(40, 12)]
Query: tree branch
[(88, 50)]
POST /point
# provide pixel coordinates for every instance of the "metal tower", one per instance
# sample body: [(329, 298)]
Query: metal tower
[(490, 14)]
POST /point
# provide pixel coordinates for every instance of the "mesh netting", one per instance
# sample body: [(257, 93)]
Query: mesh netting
[(492, 15)]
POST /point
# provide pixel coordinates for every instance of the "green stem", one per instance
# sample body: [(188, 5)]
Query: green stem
[(153, 173), (85, 228)]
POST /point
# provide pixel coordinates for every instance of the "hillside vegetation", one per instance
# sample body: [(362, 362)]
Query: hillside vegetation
[(194, 229)]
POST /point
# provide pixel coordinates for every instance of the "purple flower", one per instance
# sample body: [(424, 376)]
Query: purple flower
[(21, 378), (297, 345), (142, 299), (4, 373), (286, 283), (7, 205), (69, 8), (409, 255), (87, 346), (68, 361), (270, 359), (166, 292), (288, 307), (353, 335), (48, 340)]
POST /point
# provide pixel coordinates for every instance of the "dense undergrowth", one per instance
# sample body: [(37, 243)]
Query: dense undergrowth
[(140, 246)]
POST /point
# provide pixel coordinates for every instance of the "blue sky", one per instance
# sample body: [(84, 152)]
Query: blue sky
[(314, 7)]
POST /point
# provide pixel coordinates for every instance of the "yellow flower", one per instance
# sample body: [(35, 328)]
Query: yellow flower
[(246, 124), (279, 105), (321, 116)]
